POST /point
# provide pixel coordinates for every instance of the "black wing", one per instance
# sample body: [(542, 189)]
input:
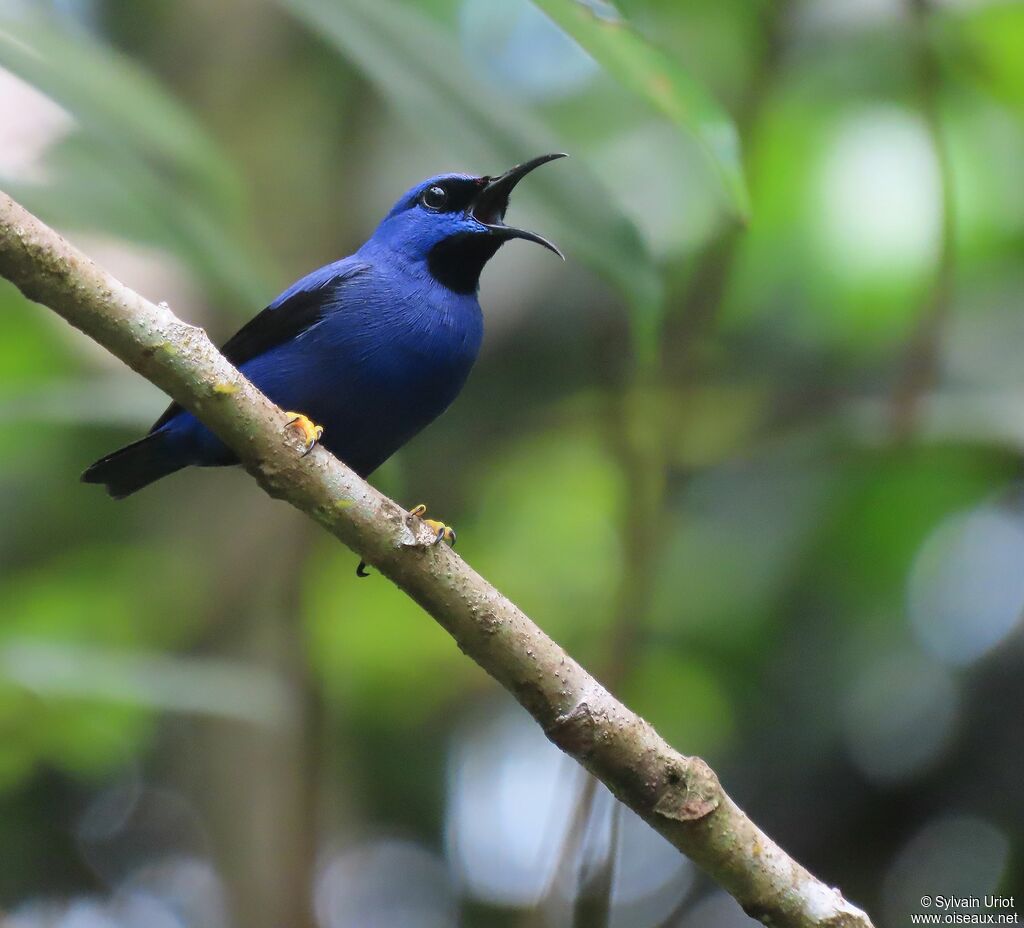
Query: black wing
[(299, 308)]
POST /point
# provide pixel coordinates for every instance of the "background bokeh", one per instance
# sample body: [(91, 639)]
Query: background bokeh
[(753, 454)]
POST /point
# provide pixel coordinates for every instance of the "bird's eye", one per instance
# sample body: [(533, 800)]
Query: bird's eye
[(434, 197)]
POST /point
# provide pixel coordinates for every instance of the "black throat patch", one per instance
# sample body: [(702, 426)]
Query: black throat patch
[(457, 261)]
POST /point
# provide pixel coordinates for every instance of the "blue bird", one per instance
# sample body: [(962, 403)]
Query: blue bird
[(371, 348)]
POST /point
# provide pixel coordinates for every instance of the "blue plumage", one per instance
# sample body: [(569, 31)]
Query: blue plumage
[(372, 347)]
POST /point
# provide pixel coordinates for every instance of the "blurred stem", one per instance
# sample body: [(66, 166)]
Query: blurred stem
[(919, 366), (702, 298), (679, 796), (303, 828), (264, 827), (636, 438), (593, 905), (639, 433), (568, 854), (632, 426)]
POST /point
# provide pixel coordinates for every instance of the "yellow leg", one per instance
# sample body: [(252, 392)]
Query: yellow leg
[(441, 531), (311, 432)]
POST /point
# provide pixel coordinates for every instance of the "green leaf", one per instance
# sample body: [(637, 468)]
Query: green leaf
[(108, 94), (136, 164), (653, 75), (420, 70)]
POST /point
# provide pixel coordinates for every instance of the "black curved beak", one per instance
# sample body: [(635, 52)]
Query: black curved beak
[(490, 204)]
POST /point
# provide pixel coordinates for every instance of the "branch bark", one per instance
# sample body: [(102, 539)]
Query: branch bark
[(679, 796)]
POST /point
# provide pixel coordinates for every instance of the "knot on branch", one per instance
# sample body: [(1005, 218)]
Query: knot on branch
[(691, 791), (851, 917), (578, 731), (841, 914), (189, 339), (574, 731)]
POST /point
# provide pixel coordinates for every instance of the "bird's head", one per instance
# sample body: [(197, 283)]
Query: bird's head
[(453, 224)]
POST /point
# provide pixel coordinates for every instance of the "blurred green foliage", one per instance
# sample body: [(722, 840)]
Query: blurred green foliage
[(677, 452), (657, 78)]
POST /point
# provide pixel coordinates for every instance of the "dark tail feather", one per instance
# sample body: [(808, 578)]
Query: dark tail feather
[(136, 465)]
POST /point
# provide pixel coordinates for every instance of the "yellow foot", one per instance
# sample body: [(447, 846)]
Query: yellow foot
[(441, 531), (310, 432)]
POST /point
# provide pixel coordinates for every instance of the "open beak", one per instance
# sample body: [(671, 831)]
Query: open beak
[(489, 205)]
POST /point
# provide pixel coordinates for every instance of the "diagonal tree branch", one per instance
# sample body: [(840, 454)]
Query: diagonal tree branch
[(678, 796)]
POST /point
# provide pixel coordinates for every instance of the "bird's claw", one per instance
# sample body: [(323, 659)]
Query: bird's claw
[(441, 531), (311, 432)]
